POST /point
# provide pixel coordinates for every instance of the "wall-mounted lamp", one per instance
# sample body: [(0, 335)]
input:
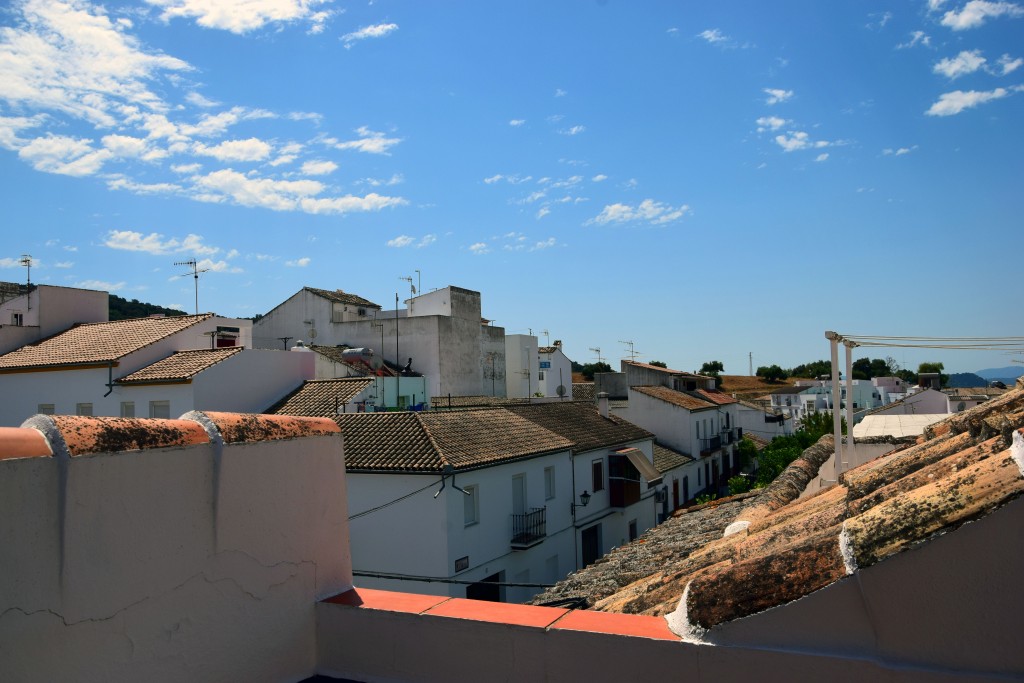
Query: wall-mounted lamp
[(584, 499)]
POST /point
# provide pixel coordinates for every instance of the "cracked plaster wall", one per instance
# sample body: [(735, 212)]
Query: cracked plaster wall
[(196, 563)]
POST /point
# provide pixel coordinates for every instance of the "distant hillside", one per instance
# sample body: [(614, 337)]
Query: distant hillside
[(121, 309), (1010, 371), (966, 380)]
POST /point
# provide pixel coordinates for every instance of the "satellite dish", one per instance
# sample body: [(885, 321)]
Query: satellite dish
[(560, 390)]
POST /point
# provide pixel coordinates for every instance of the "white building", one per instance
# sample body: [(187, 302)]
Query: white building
[(554, 371), (441, 334), (521, 364), (28, 314), (509, 485), (154, 367)]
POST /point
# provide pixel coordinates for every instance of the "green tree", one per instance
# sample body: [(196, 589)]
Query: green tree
[(746, 451), (771, 373), (934, 367), (815, 369), (588, 369), (739, 484), (713, 368), (658, 363)]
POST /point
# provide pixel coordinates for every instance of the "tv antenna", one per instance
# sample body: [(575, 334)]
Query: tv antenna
[(597, 350), (191, 263), (632, 351), (26, 260), (412, 287), (547, 337)]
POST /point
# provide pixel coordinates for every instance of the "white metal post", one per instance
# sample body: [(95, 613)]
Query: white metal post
[(851, 448), (833, 339)]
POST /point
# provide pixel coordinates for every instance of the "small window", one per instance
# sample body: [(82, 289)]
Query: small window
[(549, 483), (83, 409), (471, 506), (17, 319), (540, 375), (632, 530), (597, 472), (127, 408), (160, 409), (45, 409)]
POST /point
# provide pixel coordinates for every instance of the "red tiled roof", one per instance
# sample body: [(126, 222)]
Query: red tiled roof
[(341, 297), (320, 397), (670, 371), (716, 397), (582, 424), (678, 398), (98, 342), (179, 366), (428, 441)]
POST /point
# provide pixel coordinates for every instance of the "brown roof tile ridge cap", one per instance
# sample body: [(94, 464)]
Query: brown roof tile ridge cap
[(274, 427), (18, 443), (786, 487), (86, 435), (45, 425), (207, 424)]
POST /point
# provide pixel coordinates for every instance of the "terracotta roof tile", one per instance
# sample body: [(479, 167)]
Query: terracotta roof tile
[(320, 397), (666, 459), (342, 297), (716, 397), (678, 398), (86, 435), (98, 342), (20, 442), (583, 391), (581, 424), (426, 442), (179, 366), (445, 402), (669, 371), (784, 547), (242, 427)]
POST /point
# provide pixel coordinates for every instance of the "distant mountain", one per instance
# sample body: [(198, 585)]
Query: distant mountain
[(121, 309), (1009, 372), (966, 380)]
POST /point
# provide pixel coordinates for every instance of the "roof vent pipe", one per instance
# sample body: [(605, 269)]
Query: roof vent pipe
[(602, 403)]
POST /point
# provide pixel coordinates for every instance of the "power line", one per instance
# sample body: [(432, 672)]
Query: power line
[(390, 503)]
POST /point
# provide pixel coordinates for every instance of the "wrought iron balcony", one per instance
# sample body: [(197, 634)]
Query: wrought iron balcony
[(708, 446), (529, 528)]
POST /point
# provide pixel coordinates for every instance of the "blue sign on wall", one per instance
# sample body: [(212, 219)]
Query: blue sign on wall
[(544, 364)]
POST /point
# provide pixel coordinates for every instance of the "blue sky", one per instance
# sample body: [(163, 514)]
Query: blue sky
[(705, 181)]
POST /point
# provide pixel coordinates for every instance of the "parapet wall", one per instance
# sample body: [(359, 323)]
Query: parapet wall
[(190, 549)]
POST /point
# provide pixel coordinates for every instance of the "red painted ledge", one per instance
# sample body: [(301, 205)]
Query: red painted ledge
[(17, 442)]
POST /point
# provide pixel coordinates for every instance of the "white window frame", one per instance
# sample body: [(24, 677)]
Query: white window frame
[(471, 505), (549, 483), (127, 408), (46, 409), (83, 409), (154, 407)]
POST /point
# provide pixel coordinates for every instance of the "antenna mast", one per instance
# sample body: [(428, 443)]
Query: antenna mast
[(632, 351), (26, 260), (597, 350), (412, 287), (191, 263)]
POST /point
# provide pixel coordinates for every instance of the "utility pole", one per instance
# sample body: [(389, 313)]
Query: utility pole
[(751, 371), (284, 340)]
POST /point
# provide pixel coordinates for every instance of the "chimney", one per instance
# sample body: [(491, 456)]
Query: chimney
[(558, 343), (602, 403)]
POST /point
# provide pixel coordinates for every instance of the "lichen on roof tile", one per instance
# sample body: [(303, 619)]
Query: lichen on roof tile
[(245, 427), (88, 435)]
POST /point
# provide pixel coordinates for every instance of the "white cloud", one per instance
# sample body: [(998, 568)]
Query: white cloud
[(155, 244), (514, 179), (375, 31), (967, 62), (10, 126), (647, 211), (71, 58), (543, 211), (494, 178), (186, 168), (426, 241), (198, 100), (977, 12), (879, 20), (560, 93), (899, 151), (395, 179), (713, 35), (599, 178), (575, 130), (242, 16), (128, 147), (400, 241), (479, 248), (64, 155), (7, 262), (571, 181), (821, 157), (546, 244), (770, 123), (799, 140), (299, 262), (776, 95), (319, 167), (252, 149), (217, 266), (952, 103), (121, 183), (64, 264), (516, 122), (1010, 64), (369, 141), (99, 284), (916, 38)]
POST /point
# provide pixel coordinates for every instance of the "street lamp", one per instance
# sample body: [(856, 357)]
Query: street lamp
[(584, 499)]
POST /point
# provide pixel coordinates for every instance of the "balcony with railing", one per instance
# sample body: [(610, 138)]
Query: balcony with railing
[(710, 445), (529, 528)]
